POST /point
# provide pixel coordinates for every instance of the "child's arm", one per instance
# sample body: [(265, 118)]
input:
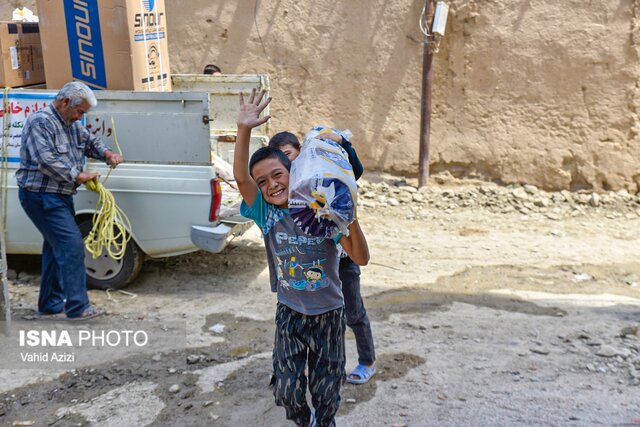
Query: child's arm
[(355, 245), (248, 118), (356, 165)]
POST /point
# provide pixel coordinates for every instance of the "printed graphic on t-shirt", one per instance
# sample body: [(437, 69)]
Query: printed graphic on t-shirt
[(297, 267)]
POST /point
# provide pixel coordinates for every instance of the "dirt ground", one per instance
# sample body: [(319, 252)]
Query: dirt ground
[(480, 318)]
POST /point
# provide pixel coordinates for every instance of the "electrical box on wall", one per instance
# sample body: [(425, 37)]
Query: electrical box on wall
[(440, 18)]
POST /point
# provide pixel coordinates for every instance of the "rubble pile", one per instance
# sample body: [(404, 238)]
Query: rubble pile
[(609, 354), (526, 199)]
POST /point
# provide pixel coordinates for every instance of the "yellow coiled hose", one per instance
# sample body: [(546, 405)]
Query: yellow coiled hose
[(110, 224)]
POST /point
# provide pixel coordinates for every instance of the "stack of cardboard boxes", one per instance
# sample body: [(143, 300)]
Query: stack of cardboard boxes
[(107, 44), (21, 54)]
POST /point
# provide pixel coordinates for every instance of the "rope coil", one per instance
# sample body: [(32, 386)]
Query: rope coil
[(4, 172), (110, 223)]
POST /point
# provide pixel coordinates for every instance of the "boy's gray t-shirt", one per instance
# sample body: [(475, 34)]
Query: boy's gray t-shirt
[(303, 268)]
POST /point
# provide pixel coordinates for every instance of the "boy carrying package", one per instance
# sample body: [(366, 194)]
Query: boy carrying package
[(310, 320)]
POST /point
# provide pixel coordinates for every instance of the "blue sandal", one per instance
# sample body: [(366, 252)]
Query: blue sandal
[(361, 374)]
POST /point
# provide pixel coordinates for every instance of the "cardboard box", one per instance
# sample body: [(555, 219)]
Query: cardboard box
[(107, 44), (21, 52)]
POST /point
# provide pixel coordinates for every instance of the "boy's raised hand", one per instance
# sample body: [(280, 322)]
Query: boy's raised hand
[(248, 118), (249, 114)]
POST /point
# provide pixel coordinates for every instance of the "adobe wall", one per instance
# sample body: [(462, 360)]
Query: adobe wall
[(534, 91)]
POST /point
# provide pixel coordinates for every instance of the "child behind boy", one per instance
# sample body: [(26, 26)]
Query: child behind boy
[(357, 318), (310, 315)]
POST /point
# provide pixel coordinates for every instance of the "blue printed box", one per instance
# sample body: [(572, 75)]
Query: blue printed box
[(107, 44)]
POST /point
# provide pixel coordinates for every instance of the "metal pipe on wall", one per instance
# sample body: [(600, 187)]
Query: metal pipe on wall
[(425, 109)]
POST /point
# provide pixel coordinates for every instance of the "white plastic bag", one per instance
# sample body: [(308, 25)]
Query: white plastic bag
[(24, 15), (322, 187)]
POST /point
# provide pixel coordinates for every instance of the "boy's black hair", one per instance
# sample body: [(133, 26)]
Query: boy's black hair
[(269, 153), (281, 139)]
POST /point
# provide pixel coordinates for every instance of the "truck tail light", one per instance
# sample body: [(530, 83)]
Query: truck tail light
[(216, 200)]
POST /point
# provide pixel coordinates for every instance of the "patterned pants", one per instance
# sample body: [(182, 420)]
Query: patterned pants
[(316, 341)]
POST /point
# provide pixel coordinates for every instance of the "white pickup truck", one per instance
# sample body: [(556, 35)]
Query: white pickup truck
[(168, 186)]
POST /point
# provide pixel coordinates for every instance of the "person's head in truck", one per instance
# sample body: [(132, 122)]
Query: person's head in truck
[(289, 144), (269, 168), (73, 100), (212, 69)]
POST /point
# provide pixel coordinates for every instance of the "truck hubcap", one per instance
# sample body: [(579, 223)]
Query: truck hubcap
[(102, 268)]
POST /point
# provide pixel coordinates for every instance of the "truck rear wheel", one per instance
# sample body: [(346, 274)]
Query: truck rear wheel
[(105, 272)]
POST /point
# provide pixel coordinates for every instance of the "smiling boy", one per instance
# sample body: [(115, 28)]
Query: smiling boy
[(310, 319)]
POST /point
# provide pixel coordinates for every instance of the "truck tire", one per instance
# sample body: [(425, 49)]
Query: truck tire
[(105, 272)]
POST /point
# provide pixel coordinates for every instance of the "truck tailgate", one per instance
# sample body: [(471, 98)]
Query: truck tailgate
[(154, 127)]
